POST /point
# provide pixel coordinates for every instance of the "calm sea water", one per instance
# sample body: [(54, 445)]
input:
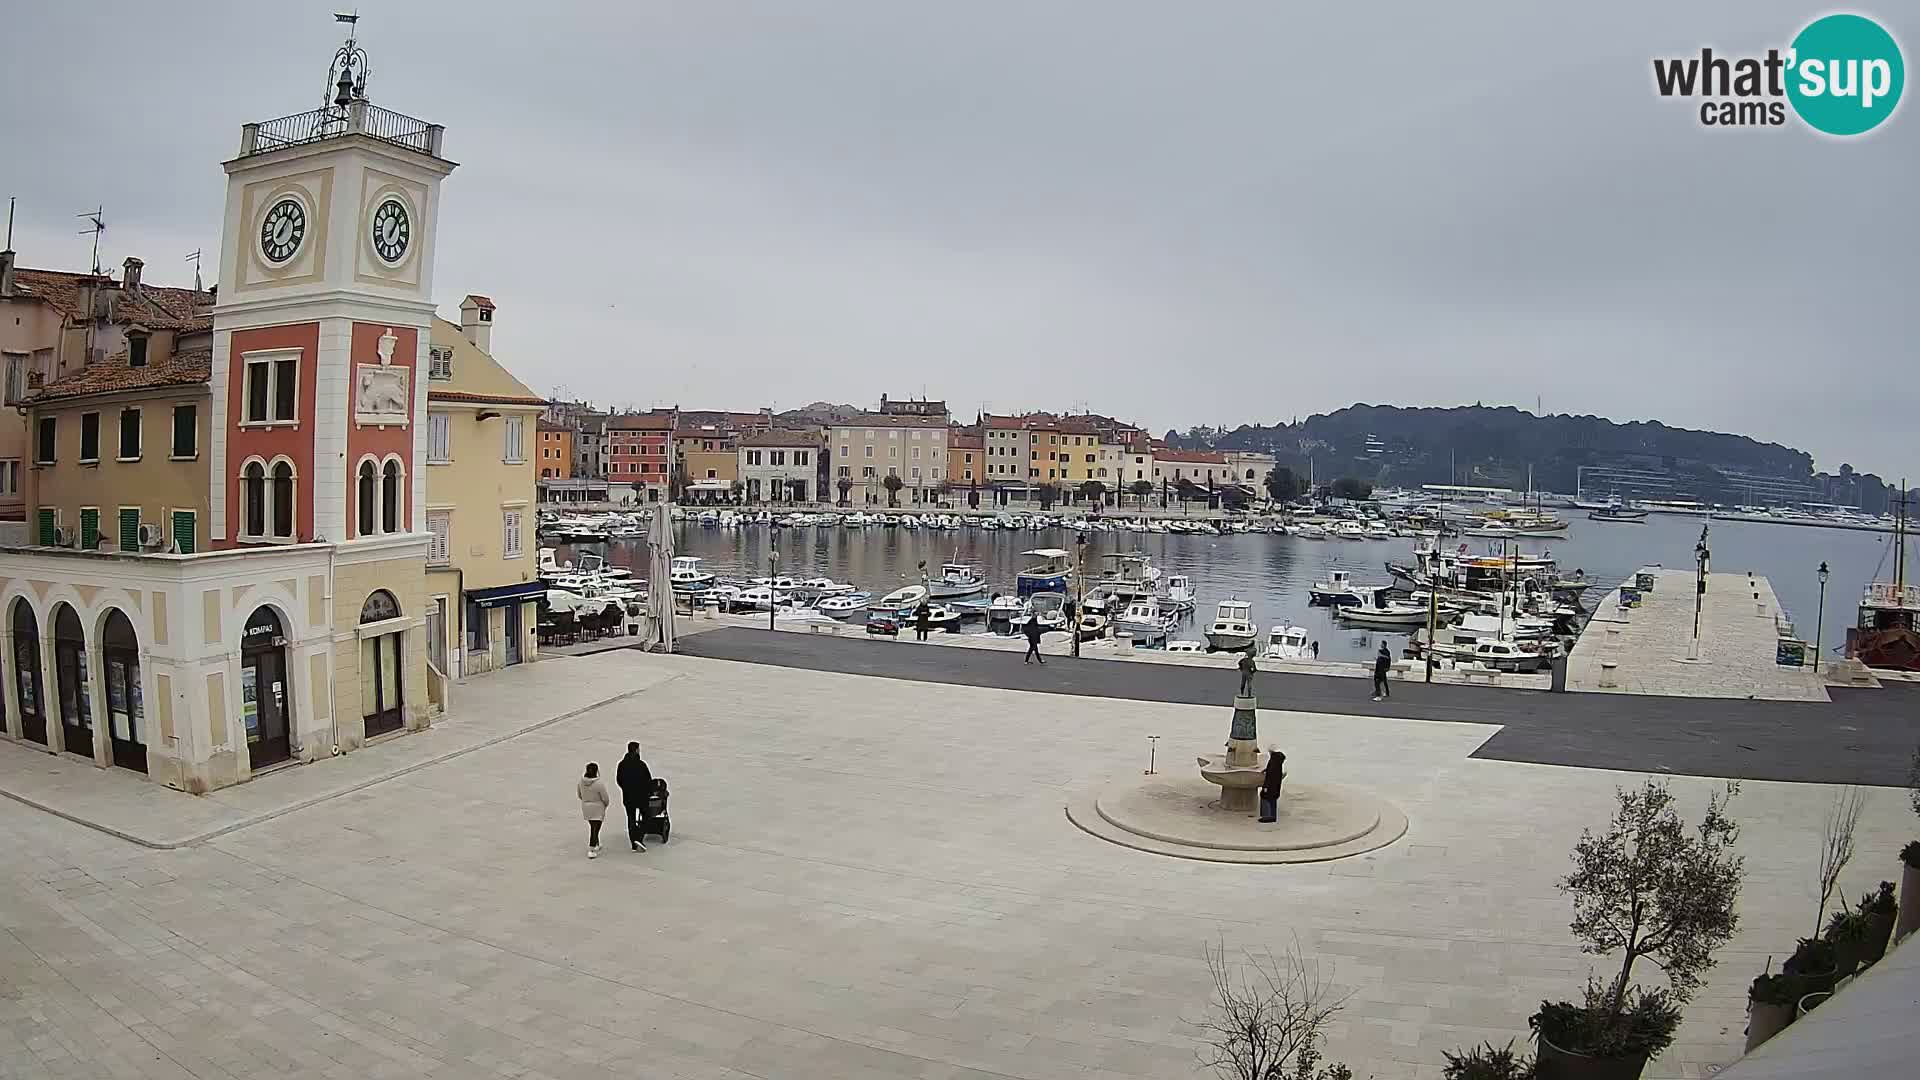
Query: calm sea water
[(1275, 572)]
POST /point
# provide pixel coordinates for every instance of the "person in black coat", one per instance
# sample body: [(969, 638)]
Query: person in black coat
[(636, 783), (1270, 785), (1382, 663), (1033, 641), (922, 618)]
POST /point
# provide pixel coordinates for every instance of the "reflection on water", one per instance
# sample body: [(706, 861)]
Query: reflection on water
[(1274, 572)]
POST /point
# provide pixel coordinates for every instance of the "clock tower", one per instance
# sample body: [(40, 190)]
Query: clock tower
[(318, 383)]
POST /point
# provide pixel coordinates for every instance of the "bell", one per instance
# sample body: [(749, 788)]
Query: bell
[(343, 96)]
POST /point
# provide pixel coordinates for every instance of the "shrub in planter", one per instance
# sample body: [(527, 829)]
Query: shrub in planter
[(1646, 886), (1484, 1062), (1847, 932), (1878, 910), (1815, 962), (1604, 1038), (1771, 1001)]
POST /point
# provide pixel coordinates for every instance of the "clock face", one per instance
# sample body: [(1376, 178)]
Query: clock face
[(282, 230), (391, 230)]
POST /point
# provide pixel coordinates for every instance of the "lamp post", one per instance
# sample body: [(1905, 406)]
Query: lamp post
[(773, 560), (1700, 555), (1820, 621), (1080, 590)]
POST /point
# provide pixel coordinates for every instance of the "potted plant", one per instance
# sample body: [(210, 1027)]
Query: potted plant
[(1646, 886), (1909, 890), (1879, 908), (1816, 962), (1813, 1000), (1771, 1002), (1486, 1063), (1847, 931)]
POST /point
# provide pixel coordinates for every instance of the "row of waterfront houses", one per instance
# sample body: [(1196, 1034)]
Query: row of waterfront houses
[(906, 452)]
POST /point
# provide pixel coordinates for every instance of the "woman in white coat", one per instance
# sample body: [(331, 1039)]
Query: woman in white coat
[(593, 806)]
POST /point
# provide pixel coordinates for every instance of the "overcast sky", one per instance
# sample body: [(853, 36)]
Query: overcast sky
[(1180, 213)]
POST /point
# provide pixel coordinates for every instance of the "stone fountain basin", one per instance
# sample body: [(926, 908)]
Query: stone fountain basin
[(1216, 771)]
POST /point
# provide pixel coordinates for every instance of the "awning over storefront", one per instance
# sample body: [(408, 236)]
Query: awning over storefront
[(501, 595)]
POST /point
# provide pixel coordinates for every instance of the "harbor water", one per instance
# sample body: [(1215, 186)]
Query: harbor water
[(1275, 572)]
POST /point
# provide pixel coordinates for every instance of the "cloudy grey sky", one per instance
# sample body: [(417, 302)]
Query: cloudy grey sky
[(1220, 212)]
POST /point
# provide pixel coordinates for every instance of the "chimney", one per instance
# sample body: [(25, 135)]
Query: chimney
[(476, 321), (130, 279), (6, 272)]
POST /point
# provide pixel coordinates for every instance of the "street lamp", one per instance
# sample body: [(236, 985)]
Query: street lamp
[(1820, 622), (1080, 589), (1700, 555), (773, 560)]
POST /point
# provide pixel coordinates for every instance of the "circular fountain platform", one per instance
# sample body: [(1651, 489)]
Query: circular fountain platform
[(1181, 816)]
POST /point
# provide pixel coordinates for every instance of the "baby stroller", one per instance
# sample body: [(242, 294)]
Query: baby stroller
[(653, 817)]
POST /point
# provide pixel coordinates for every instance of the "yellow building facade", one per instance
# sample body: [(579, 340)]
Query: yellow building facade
[(483, 581)]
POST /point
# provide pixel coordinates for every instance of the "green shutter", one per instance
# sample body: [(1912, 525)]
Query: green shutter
[(129, 528), (89, 529), (47, 520), (183, 531)]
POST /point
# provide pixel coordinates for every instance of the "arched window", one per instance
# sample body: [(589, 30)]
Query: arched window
[(380, 607), (390, 497), (253, 499), (368, 481), (282, 497)]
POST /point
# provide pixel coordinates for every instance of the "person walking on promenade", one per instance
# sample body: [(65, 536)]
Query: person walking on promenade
[(1316, 650), (922, 617), (593, 806), (1270, 785), (636, 784), (1033, 641), (1382, 663)]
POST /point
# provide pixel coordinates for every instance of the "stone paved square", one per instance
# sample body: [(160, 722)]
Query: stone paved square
[(868, 877)]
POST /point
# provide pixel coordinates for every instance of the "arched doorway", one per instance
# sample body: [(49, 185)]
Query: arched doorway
[(26, 673), (265, 699), (70, 669), (380, 670), (126, 719)]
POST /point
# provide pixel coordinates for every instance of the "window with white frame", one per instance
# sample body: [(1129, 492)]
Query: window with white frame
[(439, 435), (16, 377), (516, 431), (510, 534), (800, 457), (439, 528), (272, 389), (10, 476)]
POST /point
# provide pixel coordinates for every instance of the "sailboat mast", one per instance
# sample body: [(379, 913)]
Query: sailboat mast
[(1900, 543)]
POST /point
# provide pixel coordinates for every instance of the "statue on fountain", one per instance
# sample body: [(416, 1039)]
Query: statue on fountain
[(1247, 670)]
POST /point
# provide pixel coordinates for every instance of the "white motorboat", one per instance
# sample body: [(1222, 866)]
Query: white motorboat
[(1288, 643), (1047, 608), (1349, 530), (758, 598), (1004, 608), (1493, 530), (686, 576), (1092, 626), (956, 579), (820, 586), (940, 617), (844, 604), (1180, 597), (802, 616), (1383, 614), (1130, 576), (1311, 531), (782, 584), (1186, 646), (902, 599), (1337, 589), (1232, 628), (1144, 621)]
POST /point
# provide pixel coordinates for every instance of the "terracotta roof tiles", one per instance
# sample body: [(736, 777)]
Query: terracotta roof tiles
[(114, 376), (156, 307)]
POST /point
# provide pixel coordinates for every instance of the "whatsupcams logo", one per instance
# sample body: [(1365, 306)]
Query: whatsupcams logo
[(1842, 75)]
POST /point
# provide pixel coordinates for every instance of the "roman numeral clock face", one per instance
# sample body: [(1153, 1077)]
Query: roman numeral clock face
[(392, 230), (282, 230)]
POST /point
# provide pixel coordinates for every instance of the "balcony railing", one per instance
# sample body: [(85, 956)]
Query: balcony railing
[(359, 118)]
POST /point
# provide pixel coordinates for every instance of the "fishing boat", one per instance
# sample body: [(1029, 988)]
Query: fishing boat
[(1092, 626), (1497, 655), (1288, 643), (1232, 628), (844, 604), (1349, 530), (956, 579), (1337, 589), (1129, 576), (685, 574), (1383, 614), (902, 600), (1887, 632), (1179, 598), (1615, 510), (1311, 531), (1049, 609), (1143, 620), (1048, 575), (1003, 608), (820, 586), (939, 617)]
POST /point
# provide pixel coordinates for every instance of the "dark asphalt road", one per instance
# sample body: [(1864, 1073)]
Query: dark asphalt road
[(1862, 737)]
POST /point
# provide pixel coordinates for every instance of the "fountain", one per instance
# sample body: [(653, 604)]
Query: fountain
[(1238, 772)]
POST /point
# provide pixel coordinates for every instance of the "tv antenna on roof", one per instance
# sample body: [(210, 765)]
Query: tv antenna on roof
[(99, 226), (194, 258)]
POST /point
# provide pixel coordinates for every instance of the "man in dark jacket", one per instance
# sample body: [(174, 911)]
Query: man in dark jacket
[(1382, 663), (922, 617), (1270, 785), (636, 783), (1033, 641)]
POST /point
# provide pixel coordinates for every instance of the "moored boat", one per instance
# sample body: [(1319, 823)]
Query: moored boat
[(1232, 628)]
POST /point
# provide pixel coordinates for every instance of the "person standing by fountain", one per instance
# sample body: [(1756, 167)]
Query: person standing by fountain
[(1270, 785), (922, 617)]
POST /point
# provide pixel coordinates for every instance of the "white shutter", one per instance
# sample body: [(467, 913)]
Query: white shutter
[(515, 426), (437, 440), (438, 524)]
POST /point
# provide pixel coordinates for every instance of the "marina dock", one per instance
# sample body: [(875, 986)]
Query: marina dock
[(1649, 648)]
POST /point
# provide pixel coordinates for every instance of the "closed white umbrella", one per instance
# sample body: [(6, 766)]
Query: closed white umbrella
[(660, 577)]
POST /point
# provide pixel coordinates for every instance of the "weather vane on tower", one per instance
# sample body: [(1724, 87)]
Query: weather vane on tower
[(344, 87)]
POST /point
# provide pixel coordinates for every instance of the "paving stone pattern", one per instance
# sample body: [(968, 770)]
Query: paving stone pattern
[(868, 878)]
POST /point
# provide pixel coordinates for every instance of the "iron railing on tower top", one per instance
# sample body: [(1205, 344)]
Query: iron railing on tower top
[(358, 118)]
